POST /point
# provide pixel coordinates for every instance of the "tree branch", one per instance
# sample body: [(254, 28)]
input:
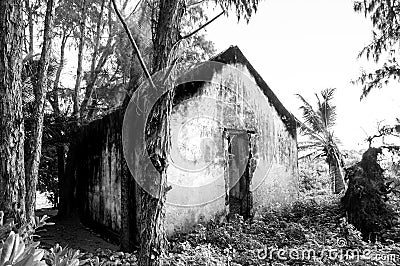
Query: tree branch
[(134, 9), (382, 132), (135, 47), (202, 27)]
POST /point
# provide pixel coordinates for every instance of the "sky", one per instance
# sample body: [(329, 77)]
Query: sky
[(309, 45)]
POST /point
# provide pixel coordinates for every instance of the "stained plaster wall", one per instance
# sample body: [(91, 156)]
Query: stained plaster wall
[(243, 106), (238, 103), (98, 173)]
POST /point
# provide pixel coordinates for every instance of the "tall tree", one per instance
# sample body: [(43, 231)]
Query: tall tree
[(40, 84), (152, 231), (166, 26), (63, 29), (79, 69), (12, 171), (317, 125)]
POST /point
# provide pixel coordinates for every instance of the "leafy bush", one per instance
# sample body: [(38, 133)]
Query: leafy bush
[(314, 177), (18, 248), (14, 252), (58, 256)]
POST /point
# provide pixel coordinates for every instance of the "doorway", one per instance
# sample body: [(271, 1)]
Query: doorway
[(239, 169)]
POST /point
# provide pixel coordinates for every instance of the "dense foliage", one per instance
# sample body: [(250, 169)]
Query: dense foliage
[(310, 225), (314, 177), (316, 225), (383, 47)]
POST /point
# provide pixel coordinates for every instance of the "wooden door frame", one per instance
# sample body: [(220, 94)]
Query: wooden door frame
[(246, 197)]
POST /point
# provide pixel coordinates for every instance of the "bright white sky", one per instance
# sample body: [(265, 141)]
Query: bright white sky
[(306, 46)]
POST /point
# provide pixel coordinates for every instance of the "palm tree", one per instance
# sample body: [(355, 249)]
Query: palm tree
[(317, 125)]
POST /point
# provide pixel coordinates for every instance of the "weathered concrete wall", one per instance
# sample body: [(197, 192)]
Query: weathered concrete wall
[(276, 176), (238, 104), (99, 158), (198, 155)]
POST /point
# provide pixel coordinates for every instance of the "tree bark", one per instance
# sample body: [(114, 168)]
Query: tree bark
[(152, 231), (152, 210), (39, 86), (59, 120), (167, 32), (30, 25), (336, 173), (12, 172), (80, 58), (55, 102)]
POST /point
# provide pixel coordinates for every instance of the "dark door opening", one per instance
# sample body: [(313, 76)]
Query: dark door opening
[(239, 171)]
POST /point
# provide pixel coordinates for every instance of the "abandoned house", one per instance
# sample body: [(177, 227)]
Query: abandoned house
[(233, 151)]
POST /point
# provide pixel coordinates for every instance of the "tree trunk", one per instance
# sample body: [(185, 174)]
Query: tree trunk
[(30, 25), (152, 231), (80, 58), (167, 32), (12, 172), (60, 121), (39, 86), (152, 210), (336, 173), (55, 102)]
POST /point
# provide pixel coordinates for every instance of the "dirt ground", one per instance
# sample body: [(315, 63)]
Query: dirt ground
[(70, 232)]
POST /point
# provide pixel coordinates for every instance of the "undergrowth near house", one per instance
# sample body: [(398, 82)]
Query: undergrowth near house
[(307, 232)]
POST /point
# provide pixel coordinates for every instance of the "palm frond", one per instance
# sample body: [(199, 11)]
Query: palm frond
[(304, 145), (312, 155), (326, 109), (307, 131), (310, 116)]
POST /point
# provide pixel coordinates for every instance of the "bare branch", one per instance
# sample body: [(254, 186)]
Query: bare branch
[(134, 9), (202, 27), (384, 131), (135, 47)]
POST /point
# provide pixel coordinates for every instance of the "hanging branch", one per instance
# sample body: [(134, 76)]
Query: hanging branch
[(135, 47), (202, 27)]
